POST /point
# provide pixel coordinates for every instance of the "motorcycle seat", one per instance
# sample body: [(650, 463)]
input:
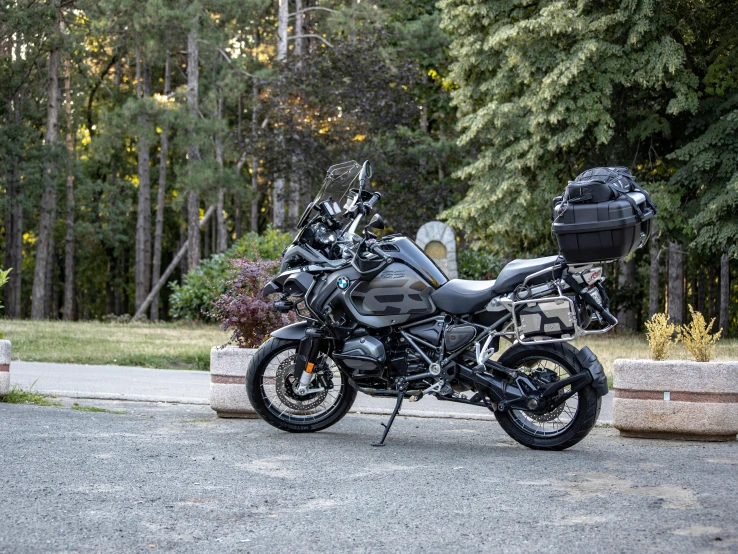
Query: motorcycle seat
[(516, 271), (459, 296)]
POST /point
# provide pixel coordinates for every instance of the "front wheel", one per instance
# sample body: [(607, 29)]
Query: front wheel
[(565, 425), (270, 384)]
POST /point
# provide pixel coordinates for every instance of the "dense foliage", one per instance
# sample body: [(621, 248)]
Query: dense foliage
[(163, 109), (123, 123), (193, 299), (241, 307), (550, 88)]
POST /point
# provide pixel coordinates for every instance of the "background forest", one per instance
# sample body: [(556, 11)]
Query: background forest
[(135, 134)]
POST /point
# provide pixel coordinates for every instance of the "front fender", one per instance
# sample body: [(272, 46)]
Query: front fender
[(296, 331)]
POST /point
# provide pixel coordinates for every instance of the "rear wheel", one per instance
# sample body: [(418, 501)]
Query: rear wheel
[(565, 425), (270, 384)]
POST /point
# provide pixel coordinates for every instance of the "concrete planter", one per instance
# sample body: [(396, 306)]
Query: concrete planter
[(228, 381), (5, 351), (676, 399)]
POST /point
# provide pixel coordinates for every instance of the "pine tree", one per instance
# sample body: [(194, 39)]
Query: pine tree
[(546, 90)]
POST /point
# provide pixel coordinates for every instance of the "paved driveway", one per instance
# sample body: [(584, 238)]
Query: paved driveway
[(174, 478)]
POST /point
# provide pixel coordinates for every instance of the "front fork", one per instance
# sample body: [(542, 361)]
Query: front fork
[(307, 356)]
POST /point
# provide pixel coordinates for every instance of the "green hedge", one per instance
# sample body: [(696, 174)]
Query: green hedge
[(200, 287), (478, 264)]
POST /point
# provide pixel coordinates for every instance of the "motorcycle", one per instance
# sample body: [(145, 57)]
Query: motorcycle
[(379, 317)]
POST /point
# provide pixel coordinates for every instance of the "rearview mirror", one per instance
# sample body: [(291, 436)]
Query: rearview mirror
[(376, 222), (366, 173)]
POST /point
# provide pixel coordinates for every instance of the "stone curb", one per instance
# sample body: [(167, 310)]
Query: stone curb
[(5, 357), (228, 368), (676, 399)]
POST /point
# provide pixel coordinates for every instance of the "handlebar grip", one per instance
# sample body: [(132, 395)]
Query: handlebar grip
[(375, 248), (376, 196)]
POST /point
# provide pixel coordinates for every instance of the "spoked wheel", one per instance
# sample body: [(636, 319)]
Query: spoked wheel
[(271, 384), (565, 425)]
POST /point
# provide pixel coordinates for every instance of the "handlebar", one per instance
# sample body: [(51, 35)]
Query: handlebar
[(373, 200)]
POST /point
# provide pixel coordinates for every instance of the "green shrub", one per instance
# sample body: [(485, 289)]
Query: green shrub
[(201, 286), (478, 264)]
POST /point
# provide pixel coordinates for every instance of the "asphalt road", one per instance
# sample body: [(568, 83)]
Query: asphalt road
[(174, 478)]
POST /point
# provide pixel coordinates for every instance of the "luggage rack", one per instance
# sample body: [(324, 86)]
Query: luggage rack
[(568, 317)]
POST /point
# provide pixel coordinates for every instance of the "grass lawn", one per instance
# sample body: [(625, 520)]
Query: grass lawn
[(610, 347), (159, 345)]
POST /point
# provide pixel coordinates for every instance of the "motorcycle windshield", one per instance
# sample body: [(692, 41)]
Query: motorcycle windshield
[(336, 187)]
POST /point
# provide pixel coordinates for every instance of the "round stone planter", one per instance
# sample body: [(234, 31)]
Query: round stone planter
[(676, 399), (5, 352), (228, 381)]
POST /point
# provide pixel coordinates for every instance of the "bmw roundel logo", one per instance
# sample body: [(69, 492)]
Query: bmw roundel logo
[(343, 282)]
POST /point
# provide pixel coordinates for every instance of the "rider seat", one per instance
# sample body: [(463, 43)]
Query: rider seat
[(459, 296)]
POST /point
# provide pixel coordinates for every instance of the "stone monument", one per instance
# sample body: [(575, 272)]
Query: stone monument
[(438, 240)]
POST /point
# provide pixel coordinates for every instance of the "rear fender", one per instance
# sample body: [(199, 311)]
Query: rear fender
[(599, 380)]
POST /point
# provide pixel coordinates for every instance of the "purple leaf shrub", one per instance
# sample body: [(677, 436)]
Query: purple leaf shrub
[(242, 309)]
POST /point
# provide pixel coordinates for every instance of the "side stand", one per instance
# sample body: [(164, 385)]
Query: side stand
[(401, 388)]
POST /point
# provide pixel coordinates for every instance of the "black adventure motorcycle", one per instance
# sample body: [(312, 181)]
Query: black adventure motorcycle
[(380, 317)]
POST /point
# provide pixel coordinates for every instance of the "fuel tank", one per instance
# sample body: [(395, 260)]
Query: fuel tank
[(399, 294), (396, 295), (404, 249)]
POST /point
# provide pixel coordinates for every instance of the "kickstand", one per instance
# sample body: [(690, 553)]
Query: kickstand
[(400, 396)]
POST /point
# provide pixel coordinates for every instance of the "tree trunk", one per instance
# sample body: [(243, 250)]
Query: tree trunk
[(724, 294), (712, 292), (48, 199), (182, 240), (254, 160), (222, 230), (352, 32), (654, 275), (237, 214), (626, 288), (193, 153), (296, 179), (278, 194), (143, 219), (69, 244), (676, 283), (14, 214), (299, 40), (161, 198), (206, 241), (293, 207), (278, 203), (50, 266), (170, 269), (701, 292), (282, 25), (442, 137)]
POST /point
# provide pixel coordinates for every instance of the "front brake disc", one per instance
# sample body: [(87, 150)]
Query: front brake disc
[(285, 385)]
